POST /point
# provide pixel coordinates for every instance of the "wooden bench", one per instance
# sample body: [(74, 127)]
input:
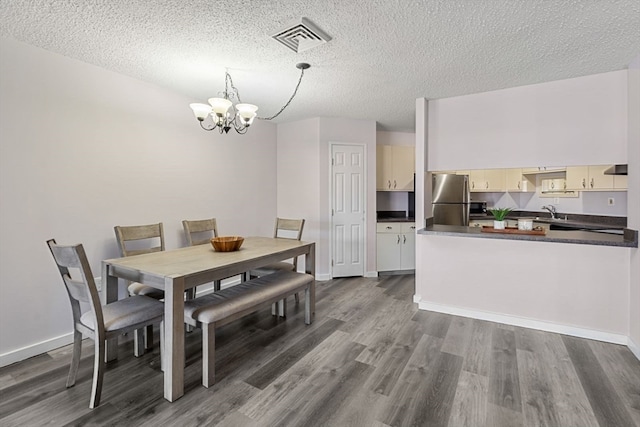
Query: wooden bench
[(225, 306)]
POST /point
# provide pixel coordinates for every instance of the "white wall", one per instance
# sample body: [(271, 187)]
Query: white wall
[(84, 149), (580, 121), (633, 209), (395, 138), (580, 290), (299, 178), (307, 142)]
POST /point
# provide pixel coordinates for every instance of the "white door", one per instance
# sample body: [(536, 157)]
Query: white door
[(347, 201)]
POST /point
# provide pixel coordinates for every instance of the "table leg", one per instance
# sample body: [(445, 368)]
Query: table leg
[(310, 268), (110, 294), (174, 339)]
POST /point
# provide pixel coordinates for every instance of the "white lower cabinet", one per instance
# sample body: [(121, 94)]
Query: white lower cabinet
[(396, 246)]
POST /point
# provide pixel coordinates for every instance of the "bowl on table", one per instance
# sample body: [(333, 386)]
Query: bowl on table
[(227, 243)]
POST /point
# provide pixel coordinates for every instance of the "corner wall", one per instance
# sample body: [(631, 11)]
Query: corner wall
[(633, 207), (83, 149)]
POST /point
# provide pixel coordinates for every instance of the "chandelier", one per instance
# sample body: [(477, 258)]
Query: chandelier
[(225, 115)]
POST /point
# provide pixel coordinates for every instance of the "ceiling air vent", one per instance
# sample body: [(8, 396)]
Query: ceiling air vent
[(302, 36)]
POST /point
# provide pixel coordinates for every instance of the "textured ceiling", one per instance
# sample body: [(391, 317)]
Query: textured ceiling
[(383, 54)]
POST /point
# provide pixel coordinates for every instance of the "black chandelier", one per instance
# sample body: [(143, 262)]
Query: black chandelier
[(225, 115)]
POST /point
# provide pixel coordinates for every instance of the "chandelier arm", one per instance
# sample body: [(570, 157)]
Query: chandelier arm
[(295, 91), (206, 128)]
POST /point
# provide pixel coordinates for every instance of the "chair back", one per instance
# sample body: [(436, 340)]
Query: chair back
[(200, 232), (81, 289), (131, 238), (288, 228)]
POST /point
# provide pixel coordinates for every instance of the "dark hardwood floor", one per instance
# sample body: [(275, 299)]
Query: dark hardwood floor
[(369, 359)]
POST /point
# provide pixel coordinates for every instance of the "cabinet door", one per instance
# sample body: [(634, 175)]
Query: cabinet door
[(404, 166), (577, 177), (495, 179), (408, 252), (598, 180), (384, 162), (514, 180), (477, 181), (388, 247), (620, 182)]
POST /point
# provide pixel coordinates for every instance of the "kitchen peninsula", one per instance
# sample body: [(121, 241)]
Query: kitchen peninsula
[(572, 282)]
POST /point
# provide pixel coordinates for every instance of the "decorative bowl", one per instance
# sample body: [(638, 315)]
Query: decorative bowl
[(227, 243)]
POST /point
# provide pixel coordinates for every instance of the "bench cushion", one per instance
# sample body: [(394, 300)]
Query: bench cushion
[(253, 293)]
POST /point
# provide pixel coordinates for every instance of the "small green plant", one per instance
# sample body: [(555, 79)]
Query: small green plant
[(500, 213)]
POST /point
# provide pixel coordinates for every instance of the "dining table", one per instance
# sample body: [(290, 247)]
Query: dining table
[(175, 271)]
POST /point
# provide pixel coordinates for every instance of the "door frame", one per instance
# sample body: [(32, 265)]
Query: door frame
[(364, 204)]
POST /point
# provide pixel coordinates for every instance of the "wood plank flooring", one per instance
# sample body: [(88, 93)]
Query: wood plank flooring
[(369, 359)]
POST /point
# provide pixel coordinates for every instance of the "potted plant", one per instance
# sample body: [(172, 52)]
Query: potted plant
[(499, 215)]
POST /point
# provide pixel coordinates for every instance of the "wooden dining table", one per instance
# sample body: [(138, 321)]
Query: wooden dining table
[(176, 270)]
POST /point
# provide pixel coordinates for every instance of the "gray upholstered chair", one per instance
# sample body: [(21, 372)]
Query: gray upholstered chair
[(136, 240), (284, 229), (200, 232), (97, 322)]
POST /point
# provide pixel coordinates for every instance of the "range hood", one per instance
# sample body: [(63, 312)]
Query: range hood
[(616, 170)]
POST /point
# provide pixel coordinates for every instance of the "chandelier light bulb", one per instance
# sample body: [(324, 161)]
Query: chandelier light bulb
[(247, 113), (220, 106), (201, 111)]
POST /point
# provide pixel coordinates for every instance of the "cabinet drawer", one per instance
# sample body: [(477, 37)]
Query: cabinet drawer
[(388, 227), (408, 227)]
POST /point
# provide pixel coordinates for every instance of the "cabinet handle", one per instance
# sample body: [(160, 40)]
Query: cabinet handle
[(518, 185), (591, 182), (389, 228), (398, 242), (413, 227), (389, 184), (473, 184), (564, 185), (552, 185), (584, 183), (404, 239), (394, 184), (486, 185)]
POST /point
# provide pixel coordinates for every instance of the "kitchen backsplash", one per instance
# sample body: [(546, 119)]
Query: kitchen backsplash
[(590, 203)]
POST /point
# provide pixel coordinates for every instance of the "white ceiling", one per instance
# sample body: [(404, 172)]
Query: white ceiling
[(384, 53)]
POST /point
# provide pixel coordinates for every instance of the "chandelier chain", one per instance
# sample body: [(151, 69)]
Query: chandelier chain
[(295, 91)]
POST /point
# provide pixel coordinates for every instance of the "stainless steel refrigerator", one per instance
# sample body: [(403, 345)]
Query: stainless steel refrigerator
[(451, 198)]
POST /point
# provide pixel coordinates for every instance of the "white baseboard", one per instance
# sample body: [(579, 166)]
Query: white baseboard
[(372, 274), (635, 348), (35, 349), (416, 299), (323, 277), (527, 323)]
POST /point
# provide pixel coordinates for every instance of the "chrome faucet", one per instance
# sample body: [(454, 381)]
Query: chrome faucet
[(551, 209)]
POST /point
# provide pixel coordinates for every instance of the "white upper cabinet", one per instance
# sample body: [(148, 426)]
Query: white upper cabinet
[(395, 167), (489, 180), (592, 178), (516, 182)]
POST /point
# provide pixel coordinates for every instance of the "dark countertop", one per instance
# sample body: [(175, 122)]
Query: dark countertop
[(403, 219), (592, 222), (628, 240)]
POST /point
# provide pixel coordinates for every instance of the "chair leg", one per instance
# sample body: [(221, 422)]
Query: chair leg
[(308, 308), (98, 373), (282, 307), (75, 358), (216, 285), (138, 342), (208, 355), (148, 337)]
